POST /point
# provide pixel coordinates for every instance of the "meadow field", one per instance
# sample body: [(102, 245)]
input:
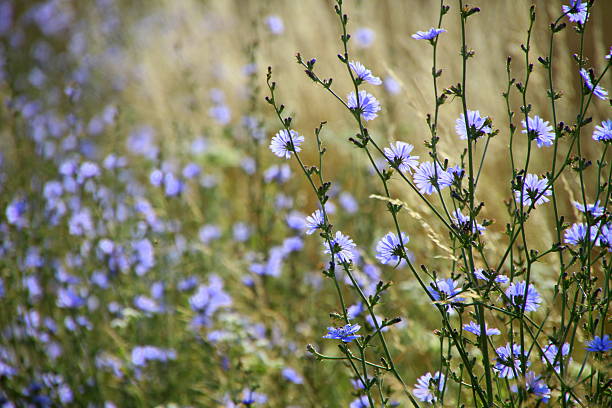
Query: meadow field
[(318, 203)]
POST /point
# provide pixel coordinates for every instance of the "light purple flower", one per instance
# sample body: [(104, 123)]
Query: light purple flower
[(399, 154), (603, 132), (429, 34), (368, 106), (474, 328), (598, 91), (341, 246), (426, 180), (314, 222), (364, 74), (285, 143), (534, 189), (364, 37), (275, 24), (389, 248), (543, 132), (578, 12), (429, 386), (477, 125)]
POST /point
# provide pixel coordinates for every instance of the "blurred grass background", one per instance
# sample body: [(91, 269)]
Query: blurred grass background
[(157, 63)]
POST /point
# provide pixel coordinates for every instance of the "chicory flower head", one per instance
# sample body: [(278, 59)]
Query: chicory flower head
[(284, 143), (345, 333), (368, 107), (508, 361), (428, 387), (477, 125), (603, 132), (363, 73), (516, 293), (429, 34), (399, 154), (535, 191), (598, 91), (426, 180), (542, 132), (341, 247), (389, 248)]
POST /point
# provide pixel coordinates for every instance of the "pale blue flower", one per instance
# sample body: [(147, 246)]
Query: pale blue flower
[(285, 143), (363, 73), (368, 107), (543, 132), (429, 34), (603, 132)]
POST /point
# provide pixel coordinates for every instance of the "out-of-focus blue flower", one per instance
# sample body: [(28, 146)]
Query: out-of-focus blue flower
[(599, 344), (360, 402), (364, 37), (241, 231), (592, 209), (543, 132), (426, 180), (249, 165), (279, 174), (345, 333), (209, 233), (141, 141), (550, 353), (389, 248), (67, 298), (428, 387), (292, 244), (603, 132), (187, 283), (348, 202), (474, 328), (363, 73), (16, 213), (141, 355), (144, 256), (534, 189), (296, 221), (429, 34), (156, 177), (354, 310), (399, 154), (291, 375), (173, 186), (275, 24), (146, 304), (508, 362), (368, 107), (81, 223), (341, 247), (314, 221), (284, 143), (598, 91), (250, 397), (577, 234), (576, 11), (516, 294), (208, 299), (392, 85), (221, 114), (87, 170), (191, 170), (477, 125)]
